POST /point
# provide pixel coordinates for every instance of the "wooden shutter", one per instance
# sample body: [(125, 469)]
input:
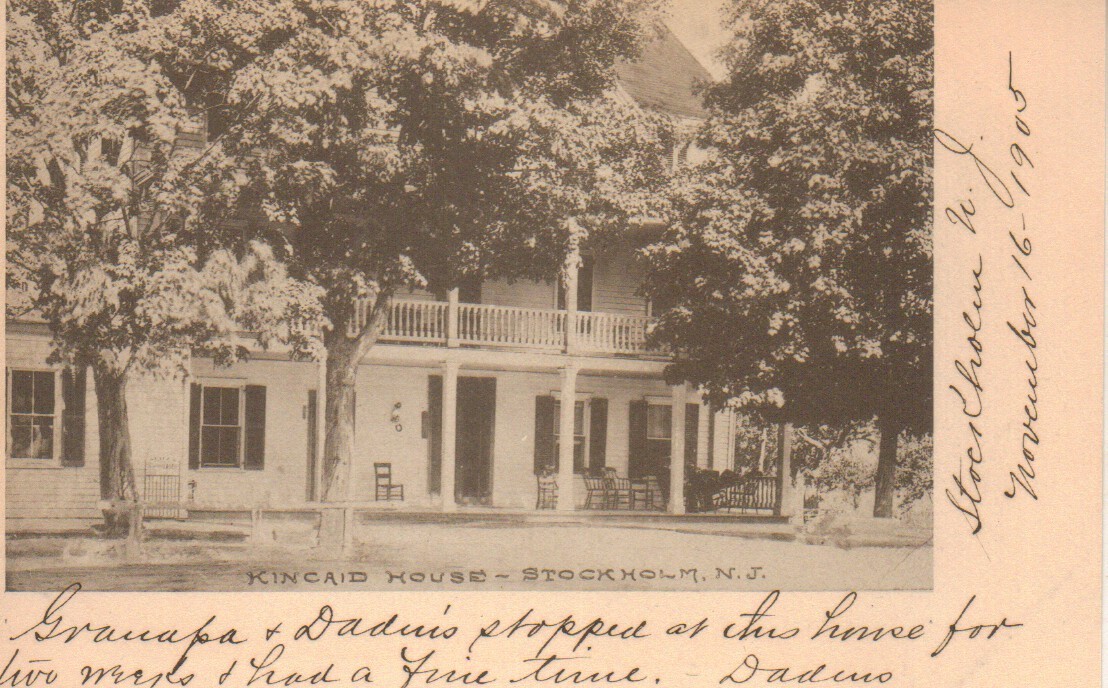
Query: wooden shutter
[(195, 392), (434, 445), (312, 413), (254, 444), (73, 417), (638, 459), (692, 432), (544, 433), (598, 433)]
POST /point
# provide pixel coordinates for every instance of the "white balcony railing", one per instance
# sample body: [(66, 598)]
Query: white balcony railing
[(470, 324), (612, 333), (416, 321), (505, 326)]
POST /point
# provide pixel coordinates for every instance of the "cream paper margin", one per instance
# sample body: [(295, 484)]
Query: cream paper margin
[(1035, 562)]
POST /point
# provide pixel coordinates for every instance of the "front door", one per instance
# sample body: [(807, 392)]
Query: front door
[(473, 443), (473, 449)]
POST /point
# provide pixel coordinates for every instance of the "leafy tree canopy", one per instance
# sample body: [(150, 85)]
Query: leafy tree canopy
[(400, 144), (800, 257), (101, 219)]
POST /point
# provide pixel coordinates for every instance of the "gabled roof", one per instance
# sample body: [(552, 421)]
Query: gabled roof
[(664, 77)]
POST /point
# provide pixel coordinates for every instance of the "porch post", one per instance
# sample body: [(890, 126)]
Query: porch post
[(449, 427), (677, 450), (786, 502), (704, 434), (565, 438), (732, 432), (452, 317), (721, 421), (569, 284)]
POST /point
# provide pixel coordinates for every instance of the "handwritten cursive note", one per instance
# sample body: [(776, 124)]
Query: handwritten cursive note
[(338, 644), (1005, 186)]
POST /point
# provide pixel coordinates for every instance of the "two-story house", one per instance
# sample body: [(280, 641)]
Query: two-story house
[(467, 399)]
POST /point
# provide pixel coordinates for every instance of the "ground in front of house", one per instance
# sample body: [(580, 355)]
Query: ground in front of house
[(494, 554)]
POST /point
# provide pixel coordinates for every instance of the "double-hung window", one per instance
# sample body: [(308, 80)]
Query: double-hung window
[(659, 429), (32, 422), (221, 427), (227, 426), (580, 434)]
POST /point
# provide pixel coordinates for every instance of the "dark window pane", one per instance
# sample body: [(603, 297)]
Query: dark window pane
[(230, 412), (211, 405), (209, 445), (22, 391), (21, 438), (228, 446), (658, 421), (43, 444), (44, 392)]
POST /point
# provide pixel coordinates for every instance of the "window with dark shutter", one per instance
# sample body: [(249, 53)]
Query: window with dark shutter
[(580, 435), (598, 434), (221, 423), (544, 438), (254, 444), (32, 423), (73, 417)]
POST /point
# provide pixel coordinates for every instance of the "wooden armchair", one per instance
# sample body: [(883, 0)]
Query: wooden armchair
[(596, 493), (547, 496), (620, 490)]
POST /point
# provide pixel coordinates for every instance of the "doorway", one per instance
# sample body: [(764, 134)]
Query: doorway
[(473, 441)]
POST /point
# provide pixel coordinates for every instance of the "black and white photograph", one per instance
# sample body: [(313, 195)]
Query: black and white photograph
[(425, 295)]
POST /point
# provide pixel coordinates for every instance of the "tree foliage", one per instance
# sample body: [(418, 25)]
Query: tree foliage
[(102, 221), (391, 145), (800, 255)]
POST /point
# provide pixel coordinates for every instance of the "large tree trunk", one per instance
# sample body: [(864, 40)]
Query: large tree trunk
[(115, 451), (885, 486), (344, 353), (338, 415)]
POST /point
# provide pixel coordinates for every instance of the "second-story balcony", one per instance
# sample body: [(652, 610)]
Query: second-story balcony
[(453, 324)]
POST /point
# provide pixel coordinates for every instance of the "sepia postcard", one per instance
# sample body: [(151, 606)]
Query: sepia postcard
[(666, 342)]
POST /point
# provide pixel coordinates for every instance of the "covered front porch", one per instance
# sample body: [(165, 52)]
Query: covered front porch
[(493, 422)]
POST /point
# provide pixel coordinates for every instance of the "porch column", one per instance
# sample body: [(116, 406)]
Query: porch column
[(704, 435), (569, 284), (721, 422), (733, 423), (786, 498), (565, 438), (452, 317), (677, 450), (449, 428)]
